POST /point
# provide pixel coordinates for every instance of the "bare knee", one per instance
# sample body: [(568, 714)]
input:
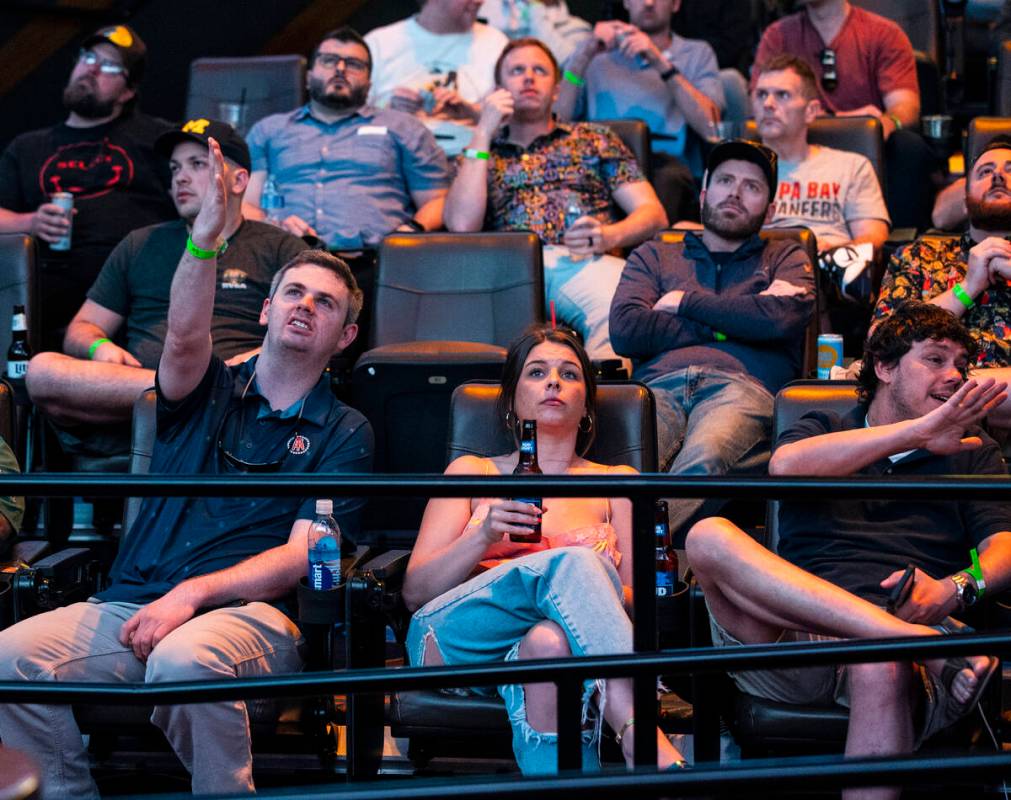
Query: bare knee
[(545, 640), (709, 542), (879, 684), (43, 377)]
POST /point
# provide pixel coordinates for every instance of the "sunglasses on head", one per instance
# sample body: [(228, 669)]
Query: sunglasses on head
[(829, 73), (227, 453)]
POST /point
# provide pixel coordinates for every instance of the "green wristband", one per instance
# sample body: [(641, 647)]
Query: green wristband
[(480, 155), (976, 570), (571, 77), (95, 345), (720, 337), (200, 253), (963, 296)]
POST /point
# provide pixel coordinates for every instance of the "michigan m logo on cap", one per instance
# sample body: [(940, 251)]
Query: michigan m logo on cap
[(197, 126)]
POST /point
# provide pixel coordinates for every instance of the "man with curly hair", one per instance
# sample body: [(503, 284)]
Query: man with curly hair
[(839, 558)]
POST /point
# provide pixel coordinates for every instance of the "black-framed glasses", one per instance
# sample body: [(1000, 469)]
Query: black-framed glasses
[(331, 60), (90, 58), (829, 71), (239, 463)]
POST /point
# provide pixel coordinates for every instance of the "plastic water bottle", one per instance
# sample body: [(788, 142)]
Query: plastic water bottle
[(324, 548), (573, 209), (272, 201)]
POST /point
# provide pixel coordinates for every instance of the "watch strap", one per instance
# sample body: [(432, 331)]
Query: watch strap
[(669, 73)]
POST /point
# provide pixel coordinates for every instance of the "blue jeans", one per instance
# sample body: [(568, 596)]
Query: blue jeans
[(710, 422), (485, 618), (582, 290)]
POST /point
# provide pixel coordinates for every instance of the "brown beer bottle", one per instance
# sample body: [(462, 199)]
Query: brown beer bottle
[(527, 465)]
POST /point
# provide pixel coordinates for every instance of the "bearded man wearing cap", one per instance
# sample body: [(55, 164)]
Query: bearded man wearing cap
[(103, 155), (714, 324), (113, 343)]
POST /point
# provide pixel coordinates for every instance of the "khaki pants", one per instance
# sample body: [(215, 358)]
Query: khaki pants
[(81, 643)]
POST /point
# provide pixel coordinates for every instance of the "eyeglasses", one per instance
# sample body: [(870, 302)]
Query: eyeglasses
[(331, 60), (240, 463), (90, 58), (829, 74)]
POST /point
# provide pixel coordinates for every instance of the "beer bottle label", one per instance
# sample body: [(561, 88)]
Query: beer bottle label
[(16, 369), (527, 447)]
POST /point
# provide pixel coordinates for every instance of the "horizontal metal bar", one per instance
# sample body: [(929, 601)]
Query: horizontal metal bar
[(699, 659), (738, 779), (371, 485)]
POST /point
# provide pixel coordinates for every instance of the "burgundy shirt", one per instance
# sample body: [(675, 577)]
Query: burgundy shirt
[(873, 57)]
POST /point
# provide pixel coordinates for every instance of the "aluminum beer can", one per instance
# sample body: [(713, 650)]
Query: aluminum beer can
[(64, 200), (830, 354)]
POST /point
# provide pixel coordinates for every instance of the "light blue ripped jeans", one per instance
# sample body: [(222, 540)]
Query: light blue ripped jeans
[(485, 618)]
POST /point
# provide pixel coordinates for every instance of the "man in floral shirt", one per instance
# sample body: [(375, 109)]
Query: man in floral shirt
[(573, 184), (969, 276)]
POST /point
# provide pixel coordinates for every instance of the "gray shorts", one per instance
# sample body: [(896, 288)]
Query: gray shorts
[(827, 685), (808, 686)]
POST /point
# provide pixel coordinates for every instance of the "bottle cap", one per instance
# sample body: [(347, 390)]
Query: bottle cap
[(324, 507)]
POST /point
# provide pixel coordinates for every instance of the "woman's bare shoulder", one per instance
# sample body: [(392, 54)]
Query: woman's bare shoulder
[(587, 466), (476, 465)]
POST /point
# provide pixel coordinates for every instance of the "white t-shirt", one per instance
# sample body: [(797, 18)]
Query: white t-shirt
[(553, 25), (406, 54), (825, 192)]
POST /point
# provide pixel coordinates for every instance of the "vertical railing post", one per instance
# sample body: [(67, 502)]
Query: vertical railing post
[(570, 724), (644, 626)]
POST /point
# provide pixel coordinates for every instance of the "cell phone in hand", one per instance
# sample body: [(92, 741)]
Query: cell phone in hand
[(900, 592)]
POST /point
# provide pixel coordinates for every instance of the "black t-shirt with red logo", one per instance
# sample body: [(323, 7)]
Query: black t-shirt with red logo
[(118, 183)]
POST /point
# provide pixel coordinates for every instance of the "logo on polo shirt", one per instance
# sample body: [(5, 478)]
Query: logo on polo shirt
[(298, 445), (233, 278)]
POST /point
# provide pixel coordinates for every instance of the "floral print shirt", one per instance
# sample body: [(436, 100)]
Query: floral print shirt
[(932, 265), (531, 188)]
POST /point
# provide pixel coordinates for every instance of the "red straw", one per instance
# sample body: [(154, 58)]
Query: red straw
[(553, 323)]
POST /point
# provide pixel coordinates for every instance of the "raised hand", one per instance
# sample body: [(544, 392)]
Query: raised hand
[(942, 431), (210, 220), (496, 111)]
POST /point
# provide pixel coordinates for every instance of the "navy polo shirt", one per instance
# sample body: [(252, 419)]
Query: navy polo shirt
[(175, 538)]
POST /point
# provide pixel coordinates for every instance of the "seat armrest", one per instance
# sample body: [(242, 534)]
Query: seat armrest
[(388, 567), (64, 577)]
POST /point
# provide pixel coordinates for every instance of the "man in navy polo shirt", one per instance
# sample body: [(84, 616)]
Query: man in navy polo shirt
[(195, 588)]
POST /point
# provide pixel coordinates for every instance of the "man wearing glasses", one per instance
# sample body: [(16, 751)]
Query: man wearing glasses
[(866, 67), (199, 588), (349, 173), (103, 155)]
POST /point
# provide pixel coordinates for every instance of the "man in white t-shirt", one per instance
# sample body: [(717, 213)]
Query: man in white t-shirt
[(835, 193), (437, 65)]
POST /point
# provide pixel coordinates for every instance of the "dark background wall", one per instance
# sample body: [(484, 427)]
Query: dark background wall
[(39, 40)]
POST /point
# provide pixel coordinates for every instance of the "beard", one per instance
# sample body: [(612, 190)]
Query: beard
[(990, 215), (735, 230), (80, 99), (355, 97)]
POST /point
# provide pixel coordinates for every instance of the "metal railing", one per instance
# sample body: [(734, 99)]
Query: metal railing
[(567, 674)]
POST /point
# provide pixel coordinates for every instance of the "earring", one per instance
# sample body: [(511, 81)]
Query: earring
[(510, 419), (586, 424)]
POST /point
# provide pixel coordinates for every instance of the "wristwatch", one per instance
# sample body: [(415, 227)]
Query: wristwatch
[(965, 590), (669, 73)]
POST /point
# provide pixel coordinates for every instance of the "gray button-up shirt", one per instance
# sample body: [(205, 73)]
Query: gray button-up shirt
[(352, 179)]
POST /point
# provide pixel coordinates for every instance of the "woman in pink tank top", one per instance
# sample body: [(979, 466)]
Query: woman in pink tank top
[(477, 596)]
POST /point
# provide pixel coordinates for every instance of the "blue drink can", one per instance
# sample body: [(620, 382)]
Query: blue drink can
[(64, 200), (830, 354)]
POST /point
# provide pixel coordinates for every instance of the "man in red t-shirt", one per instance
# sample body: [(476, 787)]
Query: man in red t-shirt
[(866, 67)]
